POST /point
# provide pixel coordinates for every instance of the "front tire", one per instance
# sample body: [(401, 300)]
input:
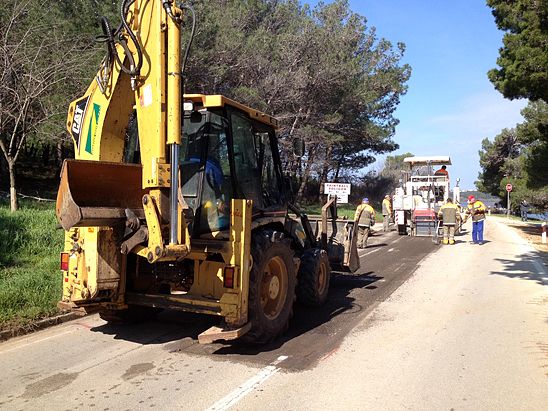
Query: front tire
[(271, 288), (313, 278)]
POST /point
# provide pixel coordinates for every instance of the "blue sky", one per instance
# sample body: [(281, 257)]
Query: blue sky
[(450, 105)]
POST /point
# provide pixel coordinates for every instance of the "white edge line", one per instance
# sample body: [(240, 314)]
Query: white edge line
[(248, 386)]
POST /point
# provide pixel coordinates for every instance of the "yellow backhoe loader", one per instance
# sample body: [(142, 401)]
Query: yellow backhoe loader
[(179, 201)]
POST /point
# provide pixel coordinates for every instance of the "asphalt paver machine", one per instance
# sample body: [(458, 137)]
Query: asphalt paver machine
[(423, 189)]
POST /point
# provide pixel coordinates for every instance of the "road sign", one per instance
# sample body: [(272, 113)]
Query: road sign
[(337, 189), (509, 187)]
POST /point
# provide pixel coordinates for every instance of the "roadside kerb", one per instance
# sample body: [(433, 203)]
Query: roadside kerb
[(38, 325)]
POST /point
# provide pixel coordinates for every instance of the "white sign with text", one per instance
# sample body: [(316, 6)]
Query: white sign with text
[(336, 188), (341, 190)]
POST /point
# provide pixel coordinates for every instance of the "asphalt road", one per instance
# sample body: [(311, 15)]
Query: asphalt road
[(88, 364)]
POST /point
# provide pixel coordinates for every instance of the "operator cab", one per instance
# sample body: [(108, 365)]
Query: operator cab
[(425, 180), (226, 154), (229, 151)]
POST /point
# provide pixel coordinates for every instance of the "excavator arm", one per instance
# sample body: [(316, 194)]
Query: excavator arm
[(140, 76)]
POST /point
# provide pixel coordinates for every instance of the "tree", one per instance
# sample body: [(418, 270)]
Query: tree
[(323, 73), (524, 57), (394, 165), (533, 133), (493, 160), (519, 156), (41, 69)]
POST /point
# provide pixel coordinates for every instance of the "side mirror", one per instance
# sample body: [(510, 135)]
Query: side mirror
[(298, 147)]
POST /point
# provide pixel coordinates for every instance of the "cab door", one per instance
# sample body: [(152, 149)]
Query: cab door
[(206, 180)]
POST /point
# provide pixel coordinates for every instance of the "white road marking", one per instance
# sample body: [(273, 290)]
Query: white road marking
[(366, 252), (390, 250), (248, 386), (36, 341), (400, 237)]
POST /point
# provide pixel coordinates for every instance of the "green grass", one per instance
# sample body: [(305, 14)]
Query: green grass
[(30, 280)]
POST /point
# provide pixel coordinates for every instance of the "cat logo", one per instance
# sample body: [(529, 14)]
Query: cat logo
[(80, 108), (92, 128)]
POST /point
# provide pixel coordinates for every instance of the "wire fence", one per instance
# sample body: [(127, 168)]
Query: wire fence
[(6, 195)]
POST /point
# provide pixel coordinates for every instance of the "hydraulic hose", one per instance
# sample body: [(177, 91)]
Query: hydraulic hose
[(111, 37), (133, 71), (189, 44)]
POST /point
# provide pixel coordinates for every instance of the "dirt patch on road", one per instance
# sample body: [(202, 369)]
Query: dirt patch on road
[(532, 233)]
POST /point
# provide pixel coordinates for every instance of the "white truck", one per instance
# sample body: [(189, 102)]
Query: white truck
[(424, 187)]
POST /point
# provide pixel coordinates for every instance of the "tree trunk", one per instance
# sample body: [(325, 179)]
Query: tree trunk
[(45, 154), (306, 174), (3, 173), (59, 154), (325, 172), (337, 170), (13, 189)]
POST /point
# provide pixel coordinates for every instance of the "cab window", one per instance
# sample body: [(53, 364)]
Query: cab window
[(245, 158)]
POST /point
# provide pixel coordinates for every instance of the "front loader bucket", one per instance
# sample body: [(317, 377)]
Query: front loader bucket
[(97, 193), (339, 240)]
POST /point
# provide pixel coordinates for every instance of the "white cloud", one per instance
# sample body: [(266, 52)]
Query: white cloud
[(478, 116)]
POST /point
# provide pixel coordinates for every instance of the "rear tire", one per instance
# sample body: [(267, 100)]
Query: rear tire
[(313, 278), (402, 230), (132, 315), (272, 283)]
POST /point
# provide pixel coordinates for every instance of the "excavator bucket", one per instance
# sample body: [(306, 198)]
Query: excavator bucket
[(96, 193), (337, 236), (340, 242)]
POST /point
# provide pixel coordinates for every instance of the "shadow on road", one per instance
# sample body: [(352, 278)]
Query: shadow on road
[(533, 229), (306, 319), (169, 325), (184, 328), (375, 245), (528, 266)]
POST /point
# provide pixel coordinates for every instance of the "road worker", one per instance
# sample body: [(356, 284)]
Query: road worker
[(476, 209), (448, 213), (442, 172), (364, 219), (524, 209), (386, 212)]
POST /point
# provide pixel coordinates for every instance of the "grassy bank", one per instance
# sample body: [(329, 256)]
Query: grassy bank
[(30, 281)]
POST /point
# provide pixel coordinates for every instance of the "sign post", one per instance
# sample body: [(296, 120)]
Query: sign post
[(508, 189), (340, 190)]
